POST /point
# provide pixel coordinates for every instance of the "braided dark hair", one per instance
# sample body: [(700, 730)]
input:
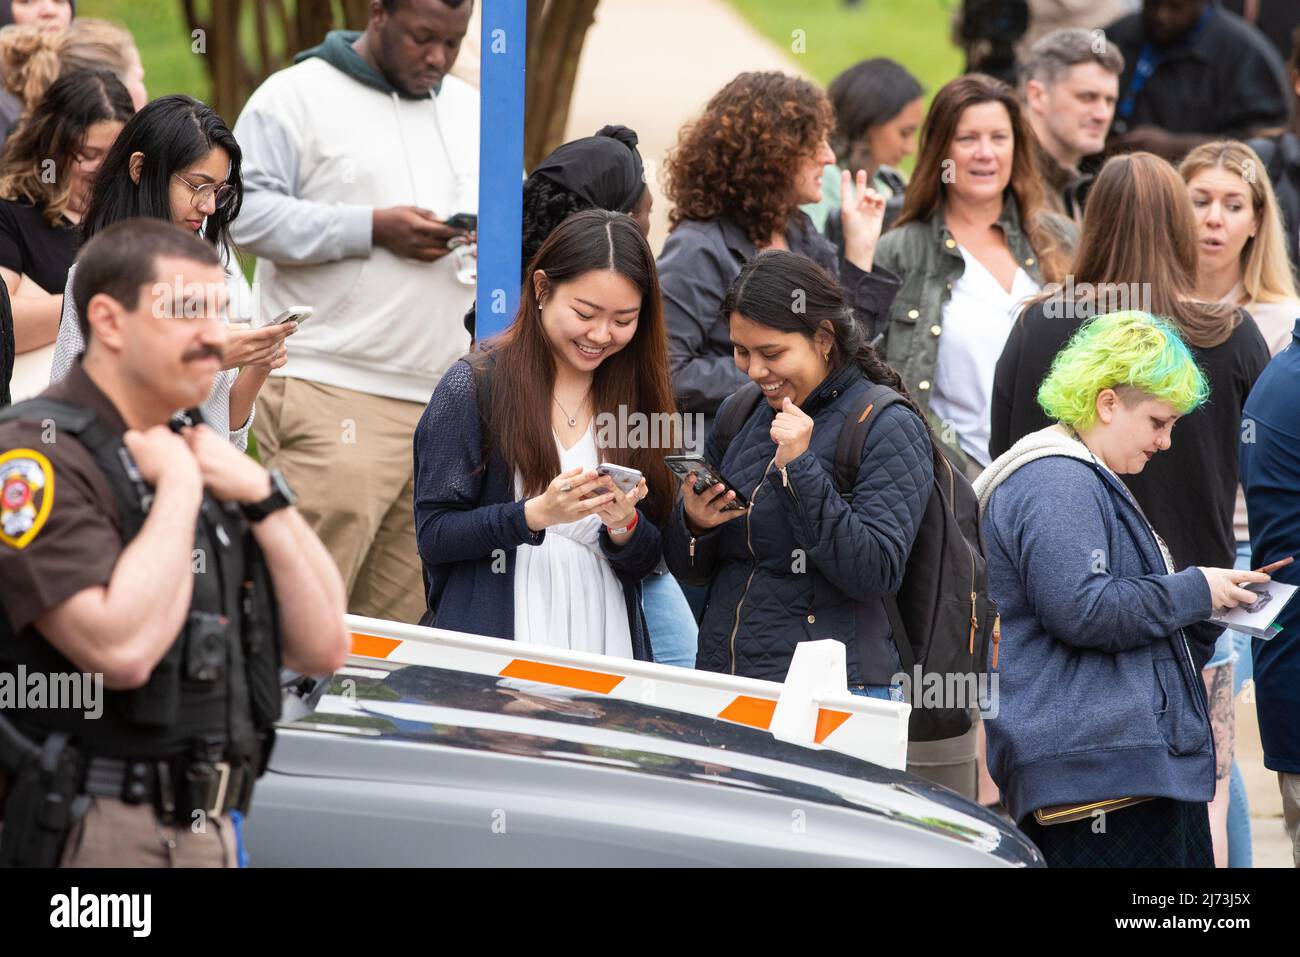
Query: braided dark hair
[(770, 282), (546, 205)]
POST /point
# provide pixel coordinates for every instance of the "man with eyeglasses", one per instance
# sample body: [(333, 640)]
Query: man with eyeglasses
[(357, 161), (155, 563)]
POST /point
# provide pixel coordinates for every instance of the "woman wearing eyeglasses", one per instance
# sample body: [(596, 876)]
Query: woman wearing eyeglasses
[(177, 160)]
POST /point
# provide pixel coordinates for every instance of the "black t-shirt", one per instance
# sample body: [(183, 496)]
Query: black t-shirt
[(1228, 81), (1188, 491), (6, 345), (31, 247)]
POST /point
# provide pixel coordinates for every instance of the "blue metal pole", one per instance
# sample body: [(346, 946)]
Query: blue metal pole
[(501, 163)]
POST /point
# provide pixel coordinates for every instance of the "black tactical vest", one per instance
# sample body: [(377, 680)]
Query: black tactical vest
[(218, 685)]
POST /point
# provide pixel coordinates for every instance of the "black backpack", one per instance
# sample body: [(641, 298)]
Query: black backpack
[(942, 617)]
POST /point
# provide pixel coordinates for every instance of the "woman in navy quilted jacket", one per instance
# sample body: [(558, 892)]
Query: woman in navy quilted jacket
[(802, 563)]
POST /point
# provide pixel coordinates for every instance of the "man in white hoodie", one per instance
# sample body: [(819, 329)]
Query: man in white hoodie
[(354, 160)]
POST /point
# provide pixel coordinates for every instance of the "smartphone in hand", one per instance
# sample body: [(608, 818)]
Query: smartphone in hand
[(706, 476), (624, 478), (298, 314)]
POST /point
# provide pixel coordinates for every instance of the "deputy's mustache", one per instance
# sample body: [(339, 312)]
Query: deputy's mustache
[(203, 352)]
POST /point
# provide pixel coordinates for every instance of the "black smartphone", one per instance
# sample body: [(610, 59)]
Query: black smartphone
[(706, 476), (465, 221)]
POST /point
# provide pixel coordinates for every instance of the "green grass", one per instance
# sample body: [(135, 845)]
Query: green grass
[(161, 34), (916, 33)]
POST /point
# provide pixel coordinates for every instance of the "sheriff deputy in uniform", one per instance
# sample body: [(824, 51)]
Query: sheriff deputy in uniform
[(158, 556)]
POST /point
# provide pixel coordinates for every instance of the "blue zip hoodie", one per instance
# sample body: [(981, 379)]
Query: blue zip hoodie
[(1099, 687)]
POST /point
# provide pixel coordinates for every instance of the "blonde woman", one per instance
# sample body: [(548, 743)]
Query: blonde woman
[(1241, 247), (32, 58), (1241, 261)]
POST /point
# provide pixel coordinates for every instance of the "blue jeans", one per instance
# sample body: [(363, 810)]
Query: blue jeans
[(1239, 851), (669, 621), (696, 596), (883, 692), (892, 692)]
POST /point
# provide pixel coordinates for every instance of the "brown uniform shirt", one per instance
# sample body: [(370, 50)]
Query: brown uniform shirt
[(60, 531)]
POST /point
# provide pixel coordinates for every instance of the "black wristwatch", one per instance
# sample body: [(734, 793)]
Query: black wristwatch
[(281, 497)]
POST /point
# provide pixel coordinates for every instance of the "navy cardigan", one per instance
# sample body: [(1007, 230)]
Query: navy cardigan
[(467, 521)]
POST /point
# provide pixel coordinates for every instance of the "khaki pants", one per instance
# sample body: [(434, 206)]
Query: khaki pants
[(116, 834), (952, 762), (347, 456), (1290, 786)]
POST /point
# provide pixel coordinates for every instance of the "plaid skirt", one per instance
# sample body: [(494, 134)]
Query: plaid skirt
[(1161, 832)]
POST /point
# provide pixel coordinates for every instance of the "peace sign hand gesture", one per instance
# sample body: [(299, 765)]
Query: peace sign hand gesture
[(862, 212)]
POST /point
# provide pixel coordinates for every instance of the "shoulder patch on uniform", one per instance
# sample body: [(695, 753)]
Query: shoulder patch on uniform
[(26, 495)]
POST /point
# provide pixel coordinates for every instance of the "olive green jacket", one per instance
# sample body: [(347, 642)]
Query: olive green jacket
[(926, 257)]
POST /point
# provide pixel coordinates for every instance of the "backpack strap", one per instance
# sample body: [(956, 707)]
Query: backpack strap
[(741, 406), (853, 435), (110, 454)]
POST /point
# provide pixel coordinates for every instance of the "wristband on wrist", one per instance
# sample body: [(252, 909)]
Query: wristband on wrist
[(626, 528)]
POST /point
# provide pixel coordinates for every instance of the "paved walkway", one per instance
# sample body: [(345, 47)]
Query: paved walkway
[(653, 66)]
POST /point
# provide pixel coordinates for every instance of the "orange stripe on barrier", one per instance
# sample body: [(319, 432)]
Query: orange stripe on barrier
[(579, 678), (372, 646), (828, 721), (755, 712)]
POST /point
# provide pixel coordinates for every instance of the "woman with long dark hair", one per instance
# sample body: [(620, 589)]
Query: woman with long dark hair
[(802, 563), (605, 171), (520, 536), (879, 107), (176, 160), (972, 243), (45, 177)]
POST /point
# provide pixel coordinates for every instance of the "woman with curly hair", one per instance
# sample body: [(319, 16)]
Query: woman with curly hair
[(737, 177), (973, 242), (1102, 714)]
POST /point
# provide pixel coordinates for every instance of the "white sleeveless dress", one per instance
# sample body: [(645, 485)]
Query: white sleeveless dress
[(566, 593)]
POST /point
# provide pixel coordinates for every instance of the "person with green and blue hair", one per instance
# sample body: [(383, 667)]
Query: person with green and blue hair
[(1101, 713)]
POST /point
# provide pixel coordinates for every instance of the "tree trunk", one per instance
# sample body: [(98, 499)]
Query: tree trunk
[(556, 32), (315, 19), (356, 13), (226, 57)]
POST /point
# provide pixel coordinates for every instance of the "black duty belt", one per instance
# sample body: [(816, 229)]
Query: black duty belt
[(176, 788)]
